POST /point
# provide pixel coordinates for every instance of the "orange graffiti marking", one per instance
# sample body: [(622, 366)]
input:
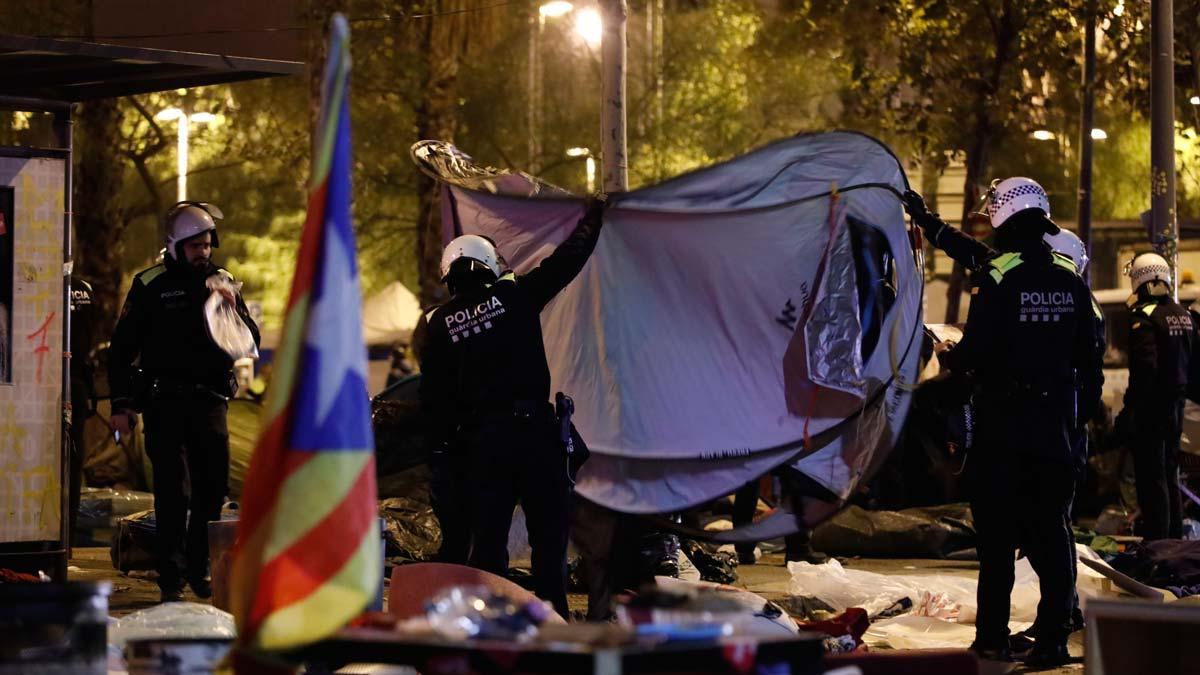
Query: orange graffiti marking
[(42, 348)]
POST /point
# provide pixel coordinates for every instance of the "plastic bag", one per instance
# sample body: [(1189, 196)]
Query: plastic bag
[(475, 612), (190, 620), (101, 508), (225, 327)]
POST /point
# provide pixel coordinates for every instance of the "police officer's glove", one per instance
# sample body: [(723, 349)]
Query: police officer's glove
[(914, 206), (593, 211)]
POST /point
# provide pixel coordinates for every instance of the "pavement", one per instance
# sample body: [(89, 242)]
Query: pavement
[(768, 578)]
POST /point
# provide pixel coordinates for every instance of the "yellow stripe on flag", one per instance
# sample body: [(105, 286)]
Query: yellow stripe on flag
[(330, 607), (322, 484)]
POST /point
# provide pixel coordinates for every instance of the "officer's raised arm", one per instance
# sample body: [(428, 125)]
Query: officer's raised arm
[(557, 270), (960, 246)]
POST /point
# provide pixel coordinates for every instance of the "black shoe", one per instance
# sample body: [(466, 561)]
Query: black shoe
[(1020, 644), (1043, 656), (807, 555), (170, 595), (202, 588), (988, 654)]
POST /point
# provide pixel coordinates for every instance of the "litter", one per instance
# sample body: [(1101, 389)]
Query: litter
[(769, 618), (183, 620), (475, 612), (939, 597)]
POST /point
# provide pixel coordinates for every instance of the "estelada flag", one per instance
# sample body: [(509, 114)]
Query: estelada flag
[(307, 557)]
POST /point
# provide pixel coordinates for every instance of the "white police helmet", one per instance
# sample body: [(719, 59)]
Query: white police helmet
[(1066, 243), (1148, 267), (473, 247), (1012, 195), (188, 219)]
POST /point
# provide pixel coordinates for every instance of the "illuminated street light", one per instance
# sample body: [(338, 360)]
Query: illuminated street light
[(1099, 134), (589, 26), (1043, 135), (590, 164), (181, 148), (1195, 100), (555, 9)]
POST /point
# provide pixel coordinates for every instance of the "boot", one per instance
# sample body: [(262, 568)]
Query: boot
[(1045, 656)]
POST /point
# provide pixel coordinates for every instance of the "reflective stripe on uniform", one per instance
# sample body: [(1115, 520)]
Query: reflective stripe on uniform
[(151, 274), (1002, 264), (1148, 309), (1096, 309), (1064, 261)]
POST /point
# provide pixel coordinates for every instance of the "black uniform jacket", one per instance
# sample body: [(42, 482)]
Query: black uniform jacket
[(163, 329), (483, 352), (1030, 343)]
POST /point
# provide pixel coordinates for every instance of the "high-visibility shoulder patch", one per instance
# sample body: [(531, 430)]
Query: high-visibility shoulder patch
[(1003, 264), (1064, 261), (430, 313), (152, 273), (1096, 309), (225, 273), (1148, 308)]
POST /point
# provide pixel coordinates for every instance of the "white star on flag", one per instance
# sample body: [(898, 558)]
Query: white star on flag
[(335, 325)]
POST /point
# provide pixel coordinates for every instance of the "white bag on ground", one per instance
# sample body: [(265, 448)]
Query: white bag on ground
[(189, 620)]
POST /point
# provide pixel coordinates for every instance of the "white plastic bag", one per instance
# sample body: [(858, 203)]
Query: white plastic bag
[(173, 620), (225, 327)]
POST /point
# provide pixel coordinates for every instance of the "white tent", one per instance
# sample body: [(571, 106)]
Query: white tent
[(759, 313), (390, 315)]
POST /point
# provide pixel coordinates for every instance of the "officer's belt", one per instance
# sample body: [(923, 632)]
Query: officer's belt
[(165, 387), (521, 409), (1010, 386)]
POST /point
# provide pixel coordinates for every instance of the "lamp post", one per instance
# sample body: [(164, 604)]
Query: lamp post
[(590, 163), (185, 122)]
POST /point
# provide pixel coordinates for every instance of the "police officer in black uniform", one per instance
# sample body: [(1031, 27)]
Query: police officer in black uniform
[(486, 386), (83, 314), (1161, 339), (975, 256), (1030, 343), (184, 384)]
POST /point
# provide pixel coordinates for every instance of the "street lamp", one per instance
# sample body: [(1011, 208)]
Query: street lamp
[(590, 164), (1042, 135), (181, 148), (1099, 134), (589, 26), (555, 9), (1195, 100)]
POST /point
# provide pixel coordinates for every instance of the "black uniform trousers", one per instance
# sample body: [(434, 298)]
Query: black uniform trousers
[(511, 459), (1020, 501), (1156, 470), (187, 439)]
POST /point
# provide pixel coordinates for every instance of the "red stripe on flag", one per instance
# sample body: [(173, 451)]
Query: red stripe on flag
[(308, 563)]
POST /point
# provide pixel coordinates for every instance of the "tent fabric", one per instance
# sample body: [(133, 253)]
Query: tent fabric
[(390, 315), (717, 331)]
